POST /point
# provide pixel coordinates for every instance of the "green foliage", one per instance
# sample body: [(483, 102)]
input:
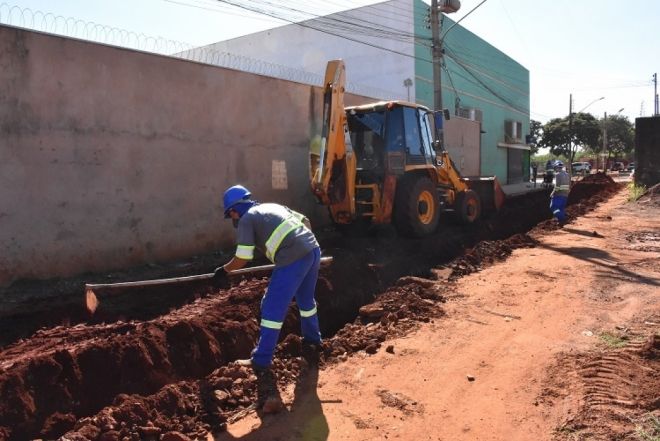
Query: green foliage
[(536, 132), (620, 135), (635, 191), (564, 136), (613, 341)]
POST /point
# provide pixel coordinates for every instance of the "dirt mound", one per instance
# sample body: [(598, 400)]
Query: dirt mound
[(488, 252), (76, 371), (592, 185), (393, 312)]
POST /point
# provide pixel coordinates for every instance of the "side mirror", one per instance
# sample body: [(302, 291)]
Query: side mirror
[(438, 120), (439, 116)]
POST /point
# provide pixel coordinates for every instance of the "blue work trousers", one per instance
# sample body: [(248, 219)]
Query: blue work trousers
[(298, 280), (558, 207)]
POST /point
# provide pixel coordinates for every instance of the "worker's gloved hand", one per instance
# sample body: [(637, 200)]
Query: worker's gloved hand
[(220, 278)]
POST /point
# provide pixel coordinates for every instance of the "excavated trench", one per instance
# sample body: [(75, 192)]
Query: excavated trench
[(146, 371)]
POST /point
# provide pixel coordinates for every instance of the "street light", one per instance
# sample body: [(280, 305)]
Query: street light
[(597, 99), (407, 83)]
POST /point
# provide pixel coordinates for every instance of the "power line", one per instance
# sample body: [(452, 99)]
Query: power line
[(487, 87), (462, 18), (223, 11), (316, 28), (331, 22)]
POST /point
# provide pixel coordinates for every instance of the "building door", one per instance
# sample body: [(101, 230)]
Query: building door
[(515, 162)]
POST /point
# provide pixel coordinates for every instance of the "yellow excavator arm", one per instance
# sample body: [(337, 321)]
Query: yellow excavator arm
[(332, 161)]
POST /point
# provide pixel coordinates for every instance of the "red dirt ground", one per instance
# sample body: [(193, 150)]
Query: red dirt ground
[(142, 378)]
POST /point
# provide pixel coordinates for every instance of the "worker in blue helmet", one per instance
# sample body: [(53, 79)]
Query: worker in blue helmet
[(284, 236), (559, 195)]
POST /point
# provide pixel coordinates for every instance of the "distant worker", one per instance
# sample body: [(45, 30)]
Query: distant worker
[(285, 237), (559, 194)]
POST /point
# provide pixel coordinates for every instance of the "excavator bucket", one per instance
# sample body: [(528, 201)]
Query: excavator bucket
[(489, 190)]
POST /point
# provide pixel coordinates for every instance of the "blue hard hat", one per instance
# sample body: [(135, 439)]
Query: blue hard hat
[(234, 195)]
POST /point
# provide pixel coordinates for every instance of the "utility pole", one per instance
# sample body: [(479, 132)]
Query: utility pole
[(655, 94), (436, 54), (570, 129), (604, 142)]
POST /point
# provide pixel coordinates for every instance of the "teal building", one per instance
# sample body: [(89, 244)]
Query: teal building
[(479, 82)]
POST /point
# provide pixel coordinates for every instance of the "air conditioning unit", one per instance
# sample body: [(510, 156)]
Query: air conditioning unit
[(512, 132)]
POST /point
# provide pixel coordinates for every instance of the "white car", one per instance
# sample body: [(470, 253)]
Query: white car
[(581, 167)]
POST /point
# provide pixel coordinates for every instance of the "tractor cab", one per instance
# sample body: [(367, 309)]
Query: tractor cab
[(390, 136)]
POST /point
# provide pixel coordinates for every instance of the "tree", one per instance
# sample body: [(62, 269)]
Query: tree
[(620, 135), (564, 136), (535, 133)]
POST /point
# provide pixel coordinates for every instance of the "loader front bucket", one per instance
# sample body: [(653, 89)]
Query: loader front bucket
[(489, 190)]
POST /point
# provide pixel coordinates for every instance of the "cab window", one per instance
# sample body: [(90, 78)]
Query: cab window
[(412, 132), (427, 137)]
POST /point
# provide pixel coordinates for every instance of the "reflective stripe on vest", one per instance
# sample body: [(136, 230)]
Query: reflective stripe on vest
[(564, 187), (309, 313), (298, 216), (271, 324), (245, 252), (278, 235)]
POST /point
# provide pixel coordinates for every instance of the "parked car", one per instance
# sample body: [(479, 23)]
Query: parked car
[(631, 166), (581, 167), (618, 166), (550, 165), (549, 175)]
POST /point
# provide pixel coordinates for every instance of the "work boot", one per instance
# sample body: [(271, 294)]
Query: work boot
[(268, 397), (311, 353)]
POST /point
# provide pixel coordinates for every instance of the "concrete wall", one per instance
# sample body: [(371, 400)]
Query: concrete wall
[(463, 142), (647, 151), (110, 157)]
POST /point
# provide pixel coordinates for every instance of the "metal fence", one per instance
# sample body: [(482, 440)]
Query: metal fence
[(50, 23)]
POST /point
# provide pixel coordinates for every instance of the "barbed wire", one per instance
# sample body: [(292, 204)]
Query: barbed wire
[(50, 23)]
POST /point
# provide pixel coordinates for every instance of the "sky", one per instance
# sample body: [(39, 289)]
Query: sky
[(591, 49)]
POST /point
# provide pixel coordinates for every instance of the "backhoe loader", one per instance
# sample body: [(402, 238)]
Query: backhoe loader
[(384, 162)]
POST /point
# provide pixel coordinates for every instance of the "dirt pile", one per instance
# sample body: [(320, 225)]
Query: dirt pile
[(597, 185), (488, 252), (71, 372)]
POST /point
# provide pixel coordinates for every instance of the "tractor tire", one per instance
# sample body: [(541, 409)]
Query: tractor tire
[(467, 207), (416, 206)]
